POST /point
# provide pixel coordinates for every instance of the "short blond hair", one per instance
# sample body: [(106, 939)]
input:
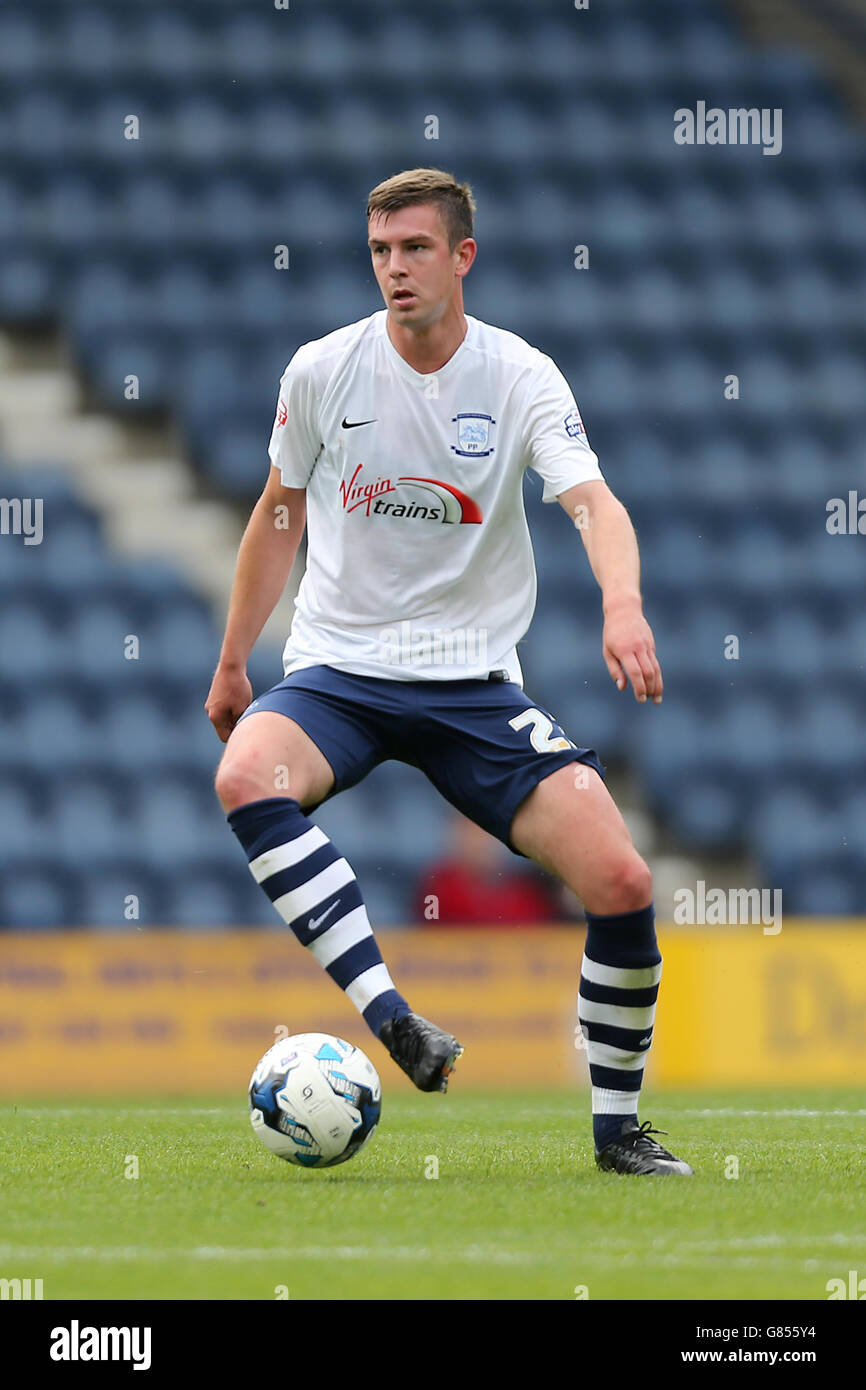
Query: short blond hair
[(414, 186)]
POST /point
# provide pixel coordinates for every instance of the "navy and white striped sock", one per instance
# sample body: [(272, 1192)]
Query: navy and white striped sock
[(619, 985), (315, 891)]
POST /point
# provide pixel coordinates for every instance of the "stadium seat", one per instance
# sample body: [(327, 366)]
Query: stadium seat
[(23, 825), (204, 897), (116, 898)]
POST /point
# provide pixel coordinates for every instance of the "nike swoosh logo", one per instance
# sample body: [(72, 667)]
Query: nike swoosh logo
[(317, 921), (353, 424)]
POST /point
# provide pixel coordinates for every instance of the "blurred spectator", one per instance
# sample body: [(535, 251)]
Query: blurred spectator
[(480, 884)]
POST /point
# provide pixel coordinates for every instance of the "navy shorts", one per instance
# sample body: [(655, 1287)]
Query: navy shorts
[(460, 734)]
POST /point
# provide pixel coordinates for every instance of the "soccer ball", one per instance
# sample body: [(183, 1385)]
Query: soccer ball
[(315, 1100)]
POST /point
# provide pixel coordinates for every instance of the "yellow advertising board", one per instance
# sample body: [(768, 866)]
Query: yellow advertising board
[(739, 1008), (162, 1012)]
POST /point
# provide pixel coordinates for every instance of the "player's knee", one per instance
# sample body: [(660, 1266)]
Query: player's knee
[(237, 784), (629, 885)]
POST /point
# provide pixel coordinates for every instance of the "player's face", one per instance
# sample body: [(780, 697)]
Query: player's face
[(416, 270)]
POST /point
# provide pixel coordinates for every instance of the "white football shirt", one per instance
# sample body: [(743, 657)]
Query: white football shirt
[(419, 559)]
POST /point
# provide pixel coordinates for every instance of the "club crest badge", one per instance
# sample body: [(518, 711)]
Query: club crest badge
[(473, 435)]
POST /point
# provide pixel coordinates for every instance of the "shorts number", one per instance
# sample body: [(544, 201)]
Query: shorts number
[(542, 728)]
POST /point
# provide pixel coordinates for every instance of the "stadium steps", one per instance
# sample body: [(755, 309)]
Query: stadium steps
[(833, 31), (132, 473)]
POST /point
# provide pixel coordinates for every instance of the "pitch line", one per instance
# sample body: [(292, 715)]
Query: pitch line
[(469, 1255), (772, 1114), (145, 1110), (112, 1110), (686, 1252)]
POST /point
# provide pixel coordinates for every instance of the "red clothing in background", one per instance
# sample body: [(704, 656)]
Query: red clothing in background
[(466, 899)]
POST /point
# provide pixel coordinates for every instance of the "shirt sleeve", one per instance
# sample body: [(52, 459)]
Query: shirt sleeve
[(295, 439), (556, 444)]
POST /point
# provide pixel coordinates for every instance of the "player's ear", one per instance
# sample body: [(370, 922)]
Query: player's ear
[(466, 250)]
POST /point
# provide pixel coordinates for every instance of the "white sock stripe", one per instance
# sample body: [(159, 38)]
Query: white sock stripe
[(272, 861), (620, 977), (345, 933), (603, 1055), (613, 1102), (369, 986), (308, 896), (617, 1015)]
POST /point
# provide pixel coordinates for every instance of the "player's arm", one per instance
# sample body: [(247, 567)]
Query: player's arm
[(267, 553), (611, 545)]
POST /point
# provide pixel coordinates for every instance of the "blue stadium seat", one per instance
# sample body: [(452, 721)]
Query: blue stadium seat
[(262, 297), (703, 216), (36, 894), (126, 898), (251, 37), (155, 582), (154, 211), (139, 734), (826, 887), (40, 647), (56, 735), (708, 54), (638, 56), (758, 558), (679, 551), (672, 738), (28, 290), (234, 458), (105, 295), (93, 42), (97, 644), (88, 821), (563, 648), (802, 839), (393, 807), (183, 641), (625, 221), (175, 821), (23, 41), (11, 213), (592, 131), (23, 823), (733, 300), (38, 108), (829, 741), (169, 43), (204, 896), (792, 641), (73, 547), (182, 294), (706, 812)]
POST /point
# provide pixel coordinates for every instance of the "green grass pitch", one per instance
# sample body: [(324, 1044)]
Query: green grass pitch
[(518, 1210)]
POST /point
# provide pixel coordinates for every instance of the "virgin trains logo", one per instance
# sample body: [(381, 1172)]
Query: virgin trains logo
[(446, 503)]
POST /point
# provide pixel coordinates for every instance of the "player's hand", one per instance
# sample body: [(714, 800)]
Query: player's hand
[(228, 697), (630, 653)]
